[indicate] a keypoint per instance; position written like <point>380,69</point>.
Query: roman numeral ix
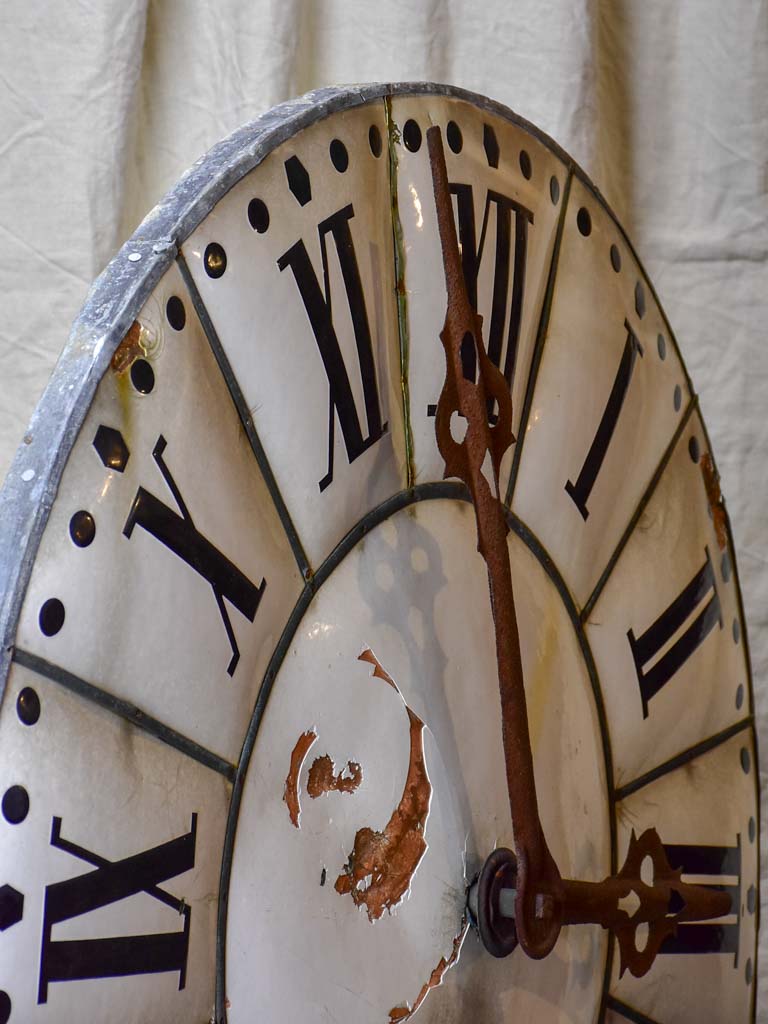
<point>110,882</point>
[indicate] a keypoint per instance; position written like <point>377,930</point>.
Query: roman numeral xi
<point>317,300</point>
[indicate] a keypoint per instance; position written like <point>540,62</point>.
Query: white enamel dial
<point>250,733</point>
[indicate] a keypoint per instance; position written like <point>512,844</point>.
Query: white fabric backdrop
<point>103,104</point>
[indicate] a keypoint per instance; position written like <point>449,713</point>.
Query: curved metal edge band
<point>123,287</point>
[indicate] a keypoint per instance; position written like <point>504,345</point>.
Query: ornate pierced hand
<point>521,898</point>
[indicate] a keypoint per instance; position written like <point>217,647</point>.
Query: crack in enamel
<point>400,1013</point>
<point>381,866</point>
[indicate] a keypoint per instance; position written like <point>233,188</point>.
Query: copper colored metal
<point>543,901</point>
<point>321,778</point>
<point>291,791</point>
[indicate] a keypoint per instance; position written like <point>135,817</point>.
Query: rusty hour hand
<point>473,386</point>
<point>521,898</point>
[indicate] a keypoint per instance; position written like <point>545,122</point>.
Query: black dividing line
<point>123,709</point>
<point>641,507</point>
<point>546,309</point>
<point>626,1011</point>
<point>245,418</point>
<point>680,759</point>
<point>424,492</point>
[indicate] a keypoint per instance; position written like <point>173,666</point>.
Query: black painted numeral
<point>317,303</point>
<point>581,490</point>
<point>700,865</point>
<point>653,674</point>
<point>178,532</point>
<point>506,302</point>
<point>112,881</point>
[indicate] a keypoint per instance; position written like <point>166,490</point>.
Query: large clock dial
<point>250,737</point>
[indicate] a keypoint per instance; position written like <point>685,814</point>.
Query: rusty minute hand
<point>528,887</point>
<point>472,385</point>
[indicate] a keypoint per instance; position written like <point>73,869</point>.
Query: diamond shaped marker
<point>491,146</point>
<point>11,906</point>
<point>298,180</point>
<point>112,449</point>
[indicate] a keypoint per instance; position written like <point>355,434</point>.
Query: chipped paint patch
<point>381,866</point>
<point>715,499</point>
<point>401,1013</point>
<point>291,791</point>
<point>130,349</point>
<point>322,780</point>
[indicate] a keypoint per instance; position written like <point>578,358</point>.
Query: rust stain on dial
<point>382,864</point>
<point>401,1013</point>
<point>322,780</point>
<point>291,791</point>
<point>715,499</point>
<point>129,349</point>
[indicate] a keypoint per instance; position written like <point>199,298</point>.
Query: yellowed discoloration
<point>130,349</point>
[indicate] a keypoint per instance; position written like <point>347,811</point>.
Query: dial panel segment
<point>377,787</point>
<point>705,813</point>
<point>108,877</point>
<point>666,630</point>
<point>164,576</point>
<point>610,393</point>
<point>295,266</point>
<point>507,189</point>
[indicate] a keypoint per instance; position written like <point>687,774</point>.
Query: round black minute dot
<point>640,300</point>
<point>752,829</point>
<point>745,760</point>
<point>339,155</point>
<point>214,260</point>
<point>725,567</point>
<point>693,449</point>
<point>82,528</point>
<point>525,164</point>
<point>454,136</point>
<point>615,258</point>
<point>51,616</point>
<point>661,346</point>
<point>584,221</point>
<point>15,805</point>
<point>28,706</point>
<point>175,313</point>
<point>258,215</point>
<point>142,376</point>
<point>554,190</point>
<point>677,398</point>
<point>5,1008</point>
<point>739,696</point>
<point>412,135</point>
<point>736,631</point>
<point>374,140</point>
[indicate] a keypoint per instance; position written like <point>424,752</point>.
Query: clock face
<point>250,734</point>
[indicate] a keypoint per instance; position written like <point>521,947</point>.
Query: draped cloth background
<point>665,104</point>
